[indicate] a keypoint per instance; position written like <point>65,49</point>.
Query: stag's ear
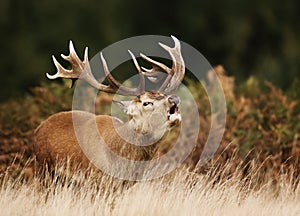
<point>126,106</point>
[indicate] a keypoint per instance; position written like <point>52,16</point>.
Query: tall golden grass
<point>178,193</point>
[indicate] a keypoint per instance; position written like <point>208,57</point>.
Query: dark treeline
<point>257,37</point>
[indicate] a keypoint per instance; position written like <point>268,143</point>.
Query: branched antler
<point>82,70</point>
<point>175,74</point>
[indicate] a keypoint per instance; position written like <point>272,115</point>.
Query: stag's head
<point>152,111</point>
<point>149,111</point>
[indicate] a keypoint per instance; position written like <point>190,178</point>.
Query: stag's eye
<point>147,103</point>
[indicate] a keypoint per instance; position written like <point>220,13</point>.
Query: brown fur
<point>55,139</point>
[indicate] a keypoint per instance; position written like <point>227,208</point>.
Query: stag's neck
<point>149,126</point>
<point>132,144</point>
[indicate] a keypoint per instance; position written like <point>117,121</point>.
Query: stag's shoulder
<point>108,121</point>
<point>65,118</point>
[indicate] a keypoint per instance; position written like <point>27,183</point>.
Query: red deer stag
<point>151,114</point>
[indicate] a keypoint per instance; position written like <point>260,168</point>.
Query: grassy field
<point>179,193</point>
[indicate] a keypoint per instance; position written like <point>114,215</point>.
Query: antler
<point>82,70</point>
<point>175,74</point>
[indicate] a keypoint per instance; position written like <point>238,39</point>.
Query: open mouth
<point>173,110</point>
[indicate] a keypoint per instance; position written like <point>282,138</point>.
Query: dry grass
<point>179,193</point>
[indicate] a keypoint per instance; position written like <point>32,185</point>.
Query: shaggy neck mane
<point>131,144</point>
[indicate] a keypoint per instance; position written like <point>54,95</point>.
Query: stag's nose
<point>174,99</point>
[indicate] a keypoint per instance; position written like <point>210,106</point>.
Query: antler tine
<point>175,75</point>
<point>154,74</point>
<point>123,90</point>
<point>80,70</point>
<point>178,67</point>
<point>61,71</point>
<point>141,87</point>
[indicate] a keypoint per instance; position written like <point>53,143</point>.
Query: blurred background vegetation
<point>257,42</point>
<point>250,38</point>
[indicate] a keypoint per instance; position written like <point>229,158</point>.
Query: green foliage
<point>294,90</point>
<point>263,124</point>
<point>20,117</point>
<point>26,112</point>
